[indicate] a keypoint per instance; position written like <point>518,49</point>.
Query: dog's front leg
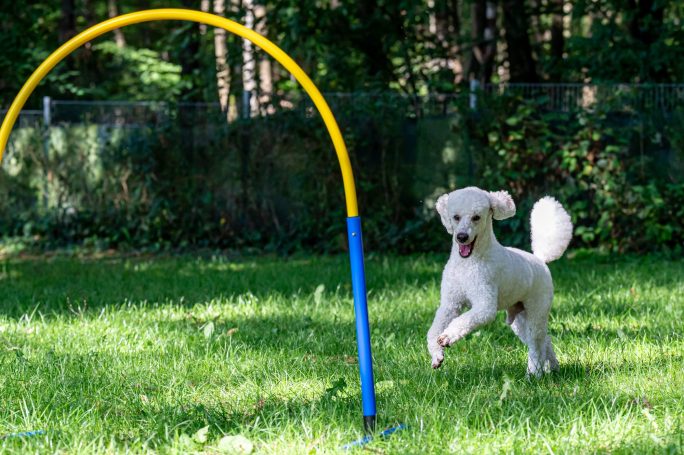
<point>483,312</point>
<point>445,314</point>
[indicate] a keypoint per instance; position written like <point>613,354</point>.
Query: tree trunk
<point>88,13</point>
<point>204,7</point>
<point>536,19</point>
<point>189,57</point>
<point>557,40</point>
<point>452,32</point>
<point>67,23</point>
<point>645,26</point>
<point>265,66</point>
<point>646,20</point>
<point>370,40</point>
<point>235,65</point>
<point>445,25</point>
<point>113,11</point>
<point>483,34</point>
<point>249,110</point>
<point>522,66</point>
<point>249,84</point>
<point>221,58</point>
<point>453,35</point>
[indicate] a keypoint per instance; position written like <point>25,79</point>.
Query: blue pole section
<point>362,326</point>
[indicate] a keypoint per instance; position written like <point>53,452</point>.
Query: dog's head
<point>467,213</point>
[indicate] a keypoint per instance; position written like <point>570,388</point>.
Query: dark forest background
<point>173,135</point>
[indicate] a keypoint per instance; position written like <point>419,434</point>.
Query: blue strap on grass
<point>366,439</point>
<point>23,434</point>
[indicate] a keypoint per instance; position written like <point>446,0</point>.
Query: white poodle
<point>483,277</point>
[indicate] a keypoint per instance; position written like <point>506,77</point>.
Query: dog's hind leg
<point>536,345</point>
<point>551,355</point>
<point>548,360</point>
<point>531,327</point>
<point>519,326</point>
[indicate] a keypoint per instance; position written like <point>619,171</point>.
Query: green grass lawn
<point>138,354</point>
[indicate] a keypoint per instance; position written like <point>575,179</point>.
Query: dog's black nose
<point>462,237</point>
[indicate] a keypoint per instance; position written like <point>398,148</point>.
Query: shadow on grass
<point>62,285</point>
<point>66,286</point>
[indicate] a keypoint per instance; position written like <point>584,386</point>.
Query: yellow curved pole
<point>209,19</point>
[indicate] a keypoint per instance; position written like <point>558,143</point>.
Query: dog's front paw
<point>437,359</point>
<point>445,340</point>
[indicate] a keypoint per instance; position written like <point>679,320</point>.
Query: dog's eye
<point>457,218</point>
<point>476,218</point>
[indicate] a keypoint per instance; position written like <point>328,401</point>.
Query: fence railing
<point>570,96</point>
<point>562,97</point>
<point>26,117</point>
<point>163,171</point>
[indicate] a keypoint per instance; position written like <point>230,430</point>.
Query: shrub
<point>593,161</point>
<point>179,176</point>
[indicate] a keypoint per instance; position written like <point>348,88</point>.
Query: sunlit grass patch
<point>172,354</point>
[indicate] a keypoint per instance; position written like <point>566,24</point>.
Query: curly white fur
<point>483,277</point>
<point>551,229</point>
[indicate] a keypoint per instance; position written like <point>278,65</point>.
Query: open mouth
<point>466,250</point>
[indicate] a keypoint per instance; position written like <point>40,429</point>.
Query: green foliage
<point>138,74</point>
<point>593,161</point>
<point>407,46</point>
<point>26,37</point>
<point>629,43</point>
<point>190,180</point>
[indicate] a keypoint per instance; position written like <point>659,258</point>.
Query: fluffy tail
<point>551,229</point>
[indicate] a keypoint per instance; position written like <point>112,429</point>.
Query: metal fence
<point>111,160</point>
<point>570,97</point>
<point>418,121</point>
<point>561,97</point>
<point>27,117</point>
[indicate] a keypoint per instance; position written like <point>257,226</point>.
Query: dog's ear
<point>502,204</point>
<point>441,206</point>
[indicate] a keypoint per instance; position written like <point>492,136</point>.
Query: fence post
<point>474,86</point>
<point>244,154</point>
<point>47,121</point>
<point>246,104</point>
<point>47,117</point>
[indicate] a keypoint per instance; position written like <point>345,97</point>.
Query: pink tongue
<point>465,250</point>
